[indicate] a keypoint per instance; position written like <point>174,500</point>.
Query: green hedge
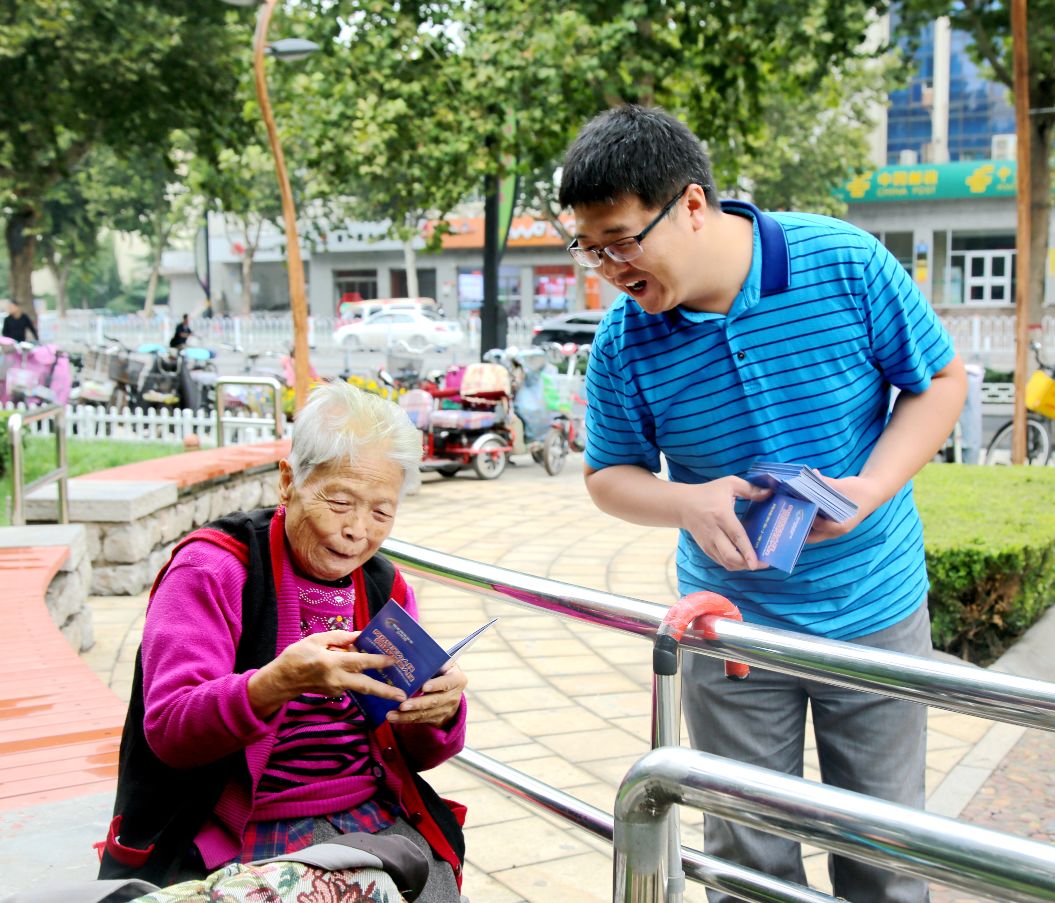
<point>989,534</point>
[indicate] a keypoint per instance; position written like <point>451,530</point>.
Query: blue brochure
<point>418,657</point>
<point>777,528</point>
<point>779,525</point>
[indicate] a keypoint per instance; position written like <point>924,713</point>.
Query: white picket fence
<point>151,425</point>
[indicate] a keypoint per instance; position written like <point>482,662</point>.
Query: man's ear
<point>696,203</point>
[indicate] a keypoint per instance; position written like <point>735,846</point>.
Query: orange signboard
<point>525,232</point>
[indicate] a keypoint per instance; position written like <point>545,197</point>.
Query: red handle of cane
<point>690,609</point>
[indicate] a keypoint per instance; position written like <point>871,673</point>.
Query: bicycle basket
<point>559,391</point>
<point>1040,394</point>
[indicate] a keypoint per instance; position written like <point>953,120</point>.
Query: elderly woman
<point>242,741</point>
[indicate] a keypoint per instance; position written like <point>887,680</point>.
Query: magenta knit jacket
<point>197,709</point>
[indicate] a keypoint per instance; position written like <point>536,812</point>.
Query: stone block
<point>74,536</point>
<point>79,632</point>
<point>202,506</point>
<point>129,543</point>
<point>158,558</point>
<point>121,579</point>
<point>251,493</point>
<point>269,493</point>
<point>93,540</point>
<point>65,597</point>
<point>105,501</point>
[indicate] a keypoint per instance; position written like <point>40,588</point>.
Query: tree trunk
<point>155,272</point>
<point>60,272</point>
<point>21,238</point>
<point>1040,202</point>
<point>410,261</point>
<point>247,282</point>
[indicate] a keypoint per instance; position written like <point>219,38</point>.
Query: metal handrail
<point>929,846</point>
<point>744,883</point>
<point>19,488</point>
<point>276,397</point>
<point>958,688</point>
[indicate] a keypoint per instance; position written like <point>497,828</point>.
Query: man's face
<point>656,279</point>
<point>338,518</point>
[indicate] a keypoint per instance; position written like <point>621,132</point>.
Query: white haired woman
<point>242,741</point>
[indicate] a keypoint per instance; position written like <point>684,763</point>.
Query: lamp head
<point>290,49</point>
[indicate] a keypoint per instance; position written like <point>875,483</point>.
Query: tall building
<point>942,195</point>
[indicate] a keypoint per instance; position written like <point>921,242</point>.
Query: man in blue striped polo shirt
<point>741,336</point>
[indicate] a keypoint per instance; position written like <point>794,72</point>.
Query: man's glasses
<point>626,248</point>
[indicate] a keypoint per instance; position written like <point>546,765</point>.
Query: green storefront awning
<point>933,182</point>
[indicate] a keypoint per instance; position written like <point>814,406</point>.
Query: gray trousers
<point>867,743</point>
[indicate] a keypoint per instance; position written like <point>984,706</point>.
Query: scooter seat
<point>463,420</point>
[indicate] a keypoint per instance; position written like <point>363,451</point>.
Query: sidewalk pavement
<point>565,702</point>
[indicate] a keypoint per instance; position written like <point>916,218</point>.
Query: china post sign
<point>934,182</point>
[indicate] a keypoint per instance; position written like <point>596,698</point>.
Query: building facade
<point>942,195</point>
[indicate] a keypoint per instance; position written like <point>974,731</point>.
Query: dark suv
<point>576,326</point>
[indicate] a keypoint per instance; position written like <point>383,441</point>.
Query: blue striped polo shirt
<point>799,370</point>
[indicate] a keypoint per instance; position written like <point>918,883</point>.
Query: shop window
<point>354,285</point>
<point>554,289</point>
<point>426,283</point>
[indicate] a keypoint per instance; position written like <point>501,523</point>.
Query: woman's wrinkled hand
<point>327,664</point>
<point>438,701</point>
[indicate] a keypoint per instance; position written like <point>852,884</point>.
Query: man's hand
<point>866,493</point>
<point>438,701</point>
<point>706,511</point>
<point>324,663</point>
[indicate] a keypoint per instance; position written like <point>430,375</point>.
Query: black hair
<point>638,151</point>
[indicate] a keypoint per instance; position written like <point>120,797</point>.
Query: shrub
<point>989,534</point>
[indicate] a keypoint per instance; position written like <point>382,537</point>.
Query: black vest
<point>166,807</point>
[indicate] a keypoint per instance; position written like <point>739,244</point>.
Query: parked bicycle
<point>1040,407</point>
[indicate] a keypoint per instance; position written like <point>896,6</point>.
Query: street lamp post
<point>289,50</point>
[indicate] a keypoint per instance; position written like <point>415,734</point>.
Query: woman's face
<point>338,518</point>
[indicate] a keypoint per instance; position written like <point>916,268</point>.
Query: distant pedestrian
<point>18,324</point>
<point>182,333</point>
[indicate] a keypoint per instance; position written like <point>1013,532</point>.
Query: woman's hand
<point>437,702</point>
<point>324,663</point>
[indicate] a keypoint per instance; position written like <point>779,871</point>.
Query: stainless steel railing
<point>958,688</point>
<point>276,422</point>
<point>19,488</point>
<point>950,686</point>
<point>979,860</point>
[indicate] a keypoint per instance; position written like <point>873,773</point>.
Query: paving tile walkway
<point>565,702</point>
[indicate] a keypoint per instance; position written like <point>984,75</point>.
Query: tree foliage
<point>77,74</point>
<point>988,22</point>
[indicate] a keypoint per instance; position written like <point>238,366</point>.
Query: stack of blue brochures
<point>778,526</point>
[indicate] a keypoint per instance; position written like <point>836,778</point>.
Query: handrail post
<point>14,434</point>
<point>266,381</point>
<point>19,489</point>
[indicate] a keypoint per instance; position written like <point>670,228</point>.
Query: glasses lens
<point>584,257</point>
<point>627,249</point>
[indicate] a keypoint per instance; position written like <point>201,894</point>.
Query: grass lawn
<point>84,456</point>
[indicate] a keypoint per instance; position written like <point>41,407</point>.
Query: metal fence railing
<point>931,846</point>
<point>259,333</point>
